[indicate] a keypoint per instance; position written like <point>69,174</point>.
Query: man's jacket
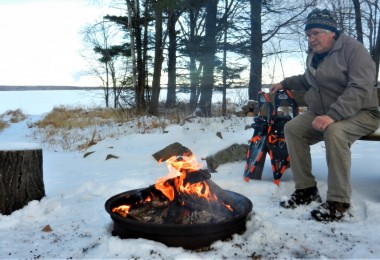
<point>343,83</point>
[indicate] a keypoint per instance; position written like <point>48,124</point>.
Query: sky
<point>41,42</point>
<point>70,222</point>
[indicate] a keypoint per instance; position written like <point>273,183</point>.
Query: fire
<point>201,189</point>
<point>178,168</point>
<point>122,210</point>
<point>185,179</point>
<point>228,207</point>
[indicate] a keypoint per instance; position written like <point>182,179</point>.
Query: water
<point>37,102</point>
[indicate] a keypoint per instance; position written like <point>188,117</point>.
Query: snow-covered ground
<point>77,188</point>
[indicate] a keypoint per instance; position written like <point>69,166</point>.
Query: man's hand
<point>275,87</point>
<point>320,123</point>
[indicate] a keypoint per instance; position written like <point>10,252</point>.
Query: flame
<point>228,207</point>
<point>174,183</point>
<point>178,167</point>
<point>166,189</point>
<point>201,189</point>
<point>122,210</point>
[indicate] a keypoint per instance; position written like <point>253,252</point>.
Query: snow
<point>6,146</point>
<point>77,188</point>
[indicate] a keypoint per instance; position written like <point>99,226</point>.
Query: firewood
<point>223,196</point>
<point>152,211</point>
<point>150,204</point>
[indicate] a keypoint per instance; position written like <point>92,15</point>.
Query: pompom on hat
<point>323,19</point>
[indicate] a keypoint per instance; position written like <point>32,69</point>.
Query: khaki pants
<point>338,138</point>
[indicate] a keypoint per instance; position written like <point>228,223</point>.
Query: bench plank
<point>375,136</point>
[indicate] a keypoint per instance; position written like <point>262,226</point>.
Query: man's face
<point>320,40</point>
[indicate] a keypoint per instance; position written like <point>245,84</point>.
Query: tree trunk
<point>358,20</point>
<point>376,51</point>
<point>107,86</point>
<point>133,52</point>
<point>21,179</point>
<point>209,59</point>
<point>158,58</point>
<point>224,68</point>
<point>256,50</point>
<point>172,60</point>
<point>145,56</point>
<point>194,76</point>
<point>136,47</point>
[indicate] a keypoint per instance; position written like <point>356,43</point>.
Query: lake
<point>36,102</point>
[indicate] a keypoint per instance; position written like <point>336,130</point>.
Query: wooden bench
<point>375,136</point>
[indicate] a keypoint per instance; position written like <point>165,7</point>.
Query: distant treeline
<point>22,88</point>
<point>180,88</point>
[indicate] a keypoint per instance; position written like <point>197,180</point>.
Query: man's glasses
<point>314,34</point>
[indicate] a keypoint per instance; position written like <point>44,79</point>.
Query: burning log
<point>185,209</point>
<point>187,196</point>
<point>150,205</point>
<point>223,196</point>
<point>154,211</point>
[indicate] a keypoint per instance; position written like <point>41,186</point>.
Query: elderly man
<point>339,84</point>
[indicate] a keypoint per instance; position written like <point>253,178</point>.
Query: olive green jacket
<point>342,85</point>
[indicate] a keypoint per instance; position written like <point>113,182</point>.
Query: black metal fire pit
<point>188,236</point>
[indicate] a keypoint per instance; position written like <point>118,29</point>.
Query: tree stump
<point>21,178</point>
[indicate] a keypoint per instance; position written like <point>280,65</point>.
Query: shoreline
<point>23,88</point>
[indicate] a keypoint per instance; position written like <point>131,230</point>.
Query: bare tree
<point>358,20</point>
<point>102,44</point>
<point>360,13</point>
<point>373,22</point>
<point>231,7</point>
<point>158,58</point>
<point>135,30</point>
<point>207,82</point>
<point>174,12</point>
<point>269,20</point>
<point>192,30</point>
<point>131,13</point>
<point>256,56</point>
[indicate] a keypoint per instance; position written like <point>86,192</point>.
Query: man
<point>339,84</point>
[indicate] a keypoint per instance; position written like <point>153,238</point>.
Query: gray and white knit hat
<point>323,19</point>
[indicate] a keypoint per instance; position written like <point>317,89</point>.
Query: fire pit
<point>187,210</point>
